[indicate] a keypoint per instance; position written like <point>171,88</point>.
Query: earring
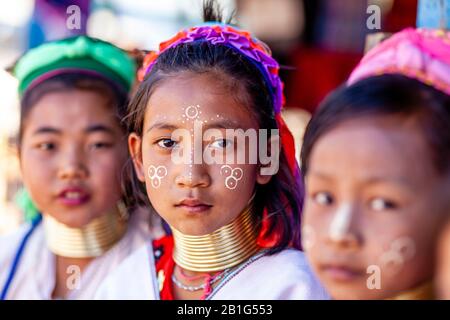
<point>123,212</point>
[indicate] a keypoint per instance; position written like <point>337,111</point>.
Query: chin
<point>356,294</point>
<point>74,219</point>
<point>194,230</point>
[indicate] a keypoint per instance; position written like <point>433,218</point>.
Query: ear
<point>269,166</point>
<point>261,178</point>
<point>134,146</point>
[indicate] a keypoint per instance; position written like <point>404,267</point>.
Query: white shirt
<point>35,275</point>
<point>282,276</point>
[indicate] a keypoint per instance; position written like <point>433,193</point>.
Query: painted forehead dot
<point>192,112</point>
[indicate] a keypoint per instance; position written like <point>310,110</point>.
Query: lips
<point>193,205</point>
<point>341,272</point>
<point>73,196</point>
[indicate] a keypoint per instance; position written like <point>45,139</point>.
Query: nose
<point>193,176</point>
<point>72,165</point>
<point>342,230</point>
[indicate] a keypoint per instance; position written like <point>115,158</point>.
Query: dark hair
<point>282,195</point>
<point>386,95</point>
<point>118,98</point>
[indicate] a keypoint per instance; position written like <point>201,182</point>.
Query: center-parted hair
<point>282,196</point>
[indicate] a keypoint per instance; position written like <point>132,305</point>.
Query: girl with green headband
<point>72,149</point>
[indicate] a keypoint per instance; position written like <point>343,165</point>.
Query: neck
<point>68,275</point>
<point>421,292</point>
<point>89,241</point>
<point>225,248</point>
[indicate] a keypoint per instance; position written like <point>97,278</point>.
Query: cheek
<point>155,175</point>
<point>394,251</point>
<point>36,170</point>
<point>157,171</point>
<point>106,169</point>
<point>315,224</point>
<point>234,178</point>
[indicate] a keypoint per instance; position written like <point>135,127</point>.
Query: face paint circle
<point>405,247</point>
<point>151,171</point>
<point>237,173</point>
<point>308,237</point>
<point>191,112</point>
<point>231,183</point>
<point>156,183</point>
<point>156,174</point>
<point>232,176</point>
<point>161,171</point>
<point>392,260</point>
<point>225,170</point>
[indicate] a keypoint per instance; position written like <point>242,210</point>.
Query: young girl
<point>234,226</point>
<point>376,161</point>
<point>72,149</point>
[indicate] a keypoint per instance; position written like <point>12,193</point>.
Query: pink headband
<point>422,54</point>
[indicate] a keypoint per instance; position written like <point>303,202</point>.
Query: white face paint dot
<point>237,173</point>
<point>225,170</point>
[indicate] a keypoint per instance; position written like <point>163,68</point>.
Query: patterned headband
<point>422,54</point>
<point>241,41</point>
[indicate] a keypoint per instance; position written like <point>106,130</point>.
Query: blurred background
<point>317,42</point>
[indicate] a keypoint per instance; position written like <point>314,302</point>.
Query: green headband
<point>79,53</point>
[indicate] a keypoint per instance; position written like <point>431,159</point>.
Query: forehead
<point>70,109</point>
<point>381,147</point>
<point>171,98</point>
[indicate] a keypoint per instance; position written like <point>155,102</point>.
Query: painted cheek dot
<point>225,170</point>
<point>230,183</point>
<point>161,171</point>
<point>237,173</point>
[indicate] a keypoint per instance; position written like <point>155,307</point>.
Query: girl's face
<point>374,203</point>
<point>72,154</point>
<point>193,196</point>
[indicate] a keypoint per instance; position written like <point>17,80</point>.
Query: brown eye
<point>166,143</point>
<point>221,143</point>
<point>380,204</point>
<point>100,145</point>
<point>323,198</point>
<point>46,146</point>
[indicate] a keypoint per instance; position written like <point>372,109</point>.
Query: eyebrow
<point>320,175</point>
<point>44,130</point>
<point>221,124</point>
<point>99,128</point>
<point>367,180</point>
<point>90,129</point>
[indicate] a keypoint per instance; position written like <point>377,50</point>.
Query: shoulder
<point>9,245</point>
<point>132,279</point>
<point>281,276</point>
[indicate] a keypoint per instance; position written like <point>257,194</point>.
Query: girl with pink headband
<point>376,162</point>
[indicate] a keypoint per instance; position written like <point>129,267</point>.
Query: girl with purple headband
<point>234,226</point>
<point>376,162</point>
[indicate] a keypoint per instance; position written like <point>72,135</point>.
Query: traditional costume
<point>237,252</point>
<point>28,256</point>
